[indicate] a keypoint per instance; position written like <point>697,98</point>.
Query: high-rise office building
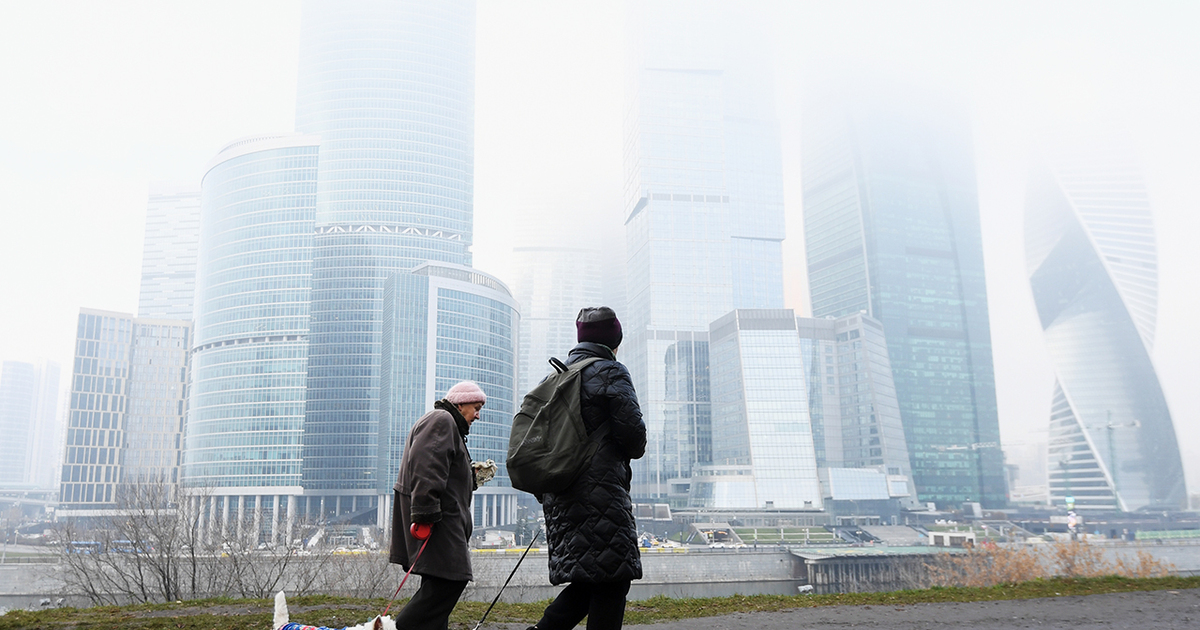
<point>763,455</point>
<point>18,399</point>
<point>46,452</point>
<point>445,323</point>
<point>389,87</point>
<point>703,219</point>
<point>1093,267</point>
<point>891,224</point>
<point>169,252</point>
<point>553,277</point>
<point>127,407</point>
<point>852,402</point>
<point>250,357</point>
<point>797,400</point>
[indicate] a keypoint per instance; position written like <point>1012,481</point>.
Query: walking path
<point>1157,610</point>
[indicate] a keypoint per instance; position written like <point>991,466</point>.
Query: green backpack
<point>549,447</point>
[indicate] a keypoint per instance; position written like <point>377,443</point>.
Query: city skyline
<point>117,202</point>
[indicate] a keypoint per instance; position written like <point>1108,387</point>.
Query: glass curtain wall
<point>1090,249</point>
<point>252,316</point>
<point>389,87</point>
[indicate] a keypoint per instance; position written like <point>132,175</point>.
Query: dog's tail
<point>281,611</point>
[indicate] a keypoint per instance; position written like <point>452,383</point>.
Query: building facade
<point>169,252</point>
<point>552,283</point>
<point>18,399</point>
<point>127,408</point>
<point>852,403</point>
<point>389,87</point>
<point>442,324</point>
<point>892,230</point>
<point>1093,267</point>
<point>250,352</point>
<point>703,220</point>
<point>762,435</point>
<point>48,433</point>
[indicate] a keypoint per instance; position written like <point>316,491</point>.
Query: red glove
<point>421,531</point>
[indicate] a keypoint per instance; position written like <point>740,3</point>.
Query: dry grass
<point>990,565</point>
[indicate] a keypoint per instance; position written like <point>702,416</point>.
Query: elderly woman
<point>433,497</point>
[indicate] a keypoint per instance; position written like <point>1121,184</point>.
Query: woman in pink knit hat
<point>432,507</point>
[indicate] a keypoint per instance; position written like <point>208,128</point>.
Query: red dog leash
<point>410,569</point>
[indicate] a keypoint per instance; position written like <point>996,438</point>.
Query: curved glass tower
<point>443,324</point>
<point>389,86</point>
<point>252,312</point>
<point>1090,250</point>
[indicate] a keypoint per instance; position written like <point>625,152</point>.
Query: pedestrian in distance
<point>590,527</point>
<point>432,508</point>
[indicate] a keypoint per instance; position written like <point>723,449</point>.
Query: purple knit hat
<point>465,393</point>
<point>598,324</point>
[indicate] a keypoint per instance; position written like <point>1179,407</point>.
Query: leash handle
<point>510,577</point>
<point>410,570</point>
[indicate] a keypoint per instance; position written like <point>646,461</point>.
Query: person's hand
<point>421,531</point>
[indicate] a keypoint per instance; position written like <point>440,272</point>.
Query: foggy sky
<point>100,99</point>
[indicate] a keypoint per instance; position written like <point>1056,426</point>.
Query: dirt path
<point>1154,610</point>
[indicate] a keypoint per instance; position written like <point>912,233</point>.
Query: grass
<point>241,614</point>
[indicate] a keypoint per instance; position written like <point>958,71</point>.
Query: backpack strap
<point>602,430</point>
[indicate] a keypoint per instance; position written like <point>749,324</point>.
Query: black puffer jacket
<point>590,526</point>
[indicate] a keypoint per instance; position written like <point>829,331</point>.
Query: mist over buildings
<point>105,101</point>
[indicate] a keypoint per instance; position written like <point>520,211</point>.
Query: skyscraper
<point>389,87</point>
<point>892,230</point>
<point>442,324</point>
<point>554,277</point>
<point>169,251</point>
<point>18,398</point>
<point>852,402</point>
<point>48,431</point>
<point>763,454</point>
<point>703,219</point>
<point>1093,268</point>
<point>127,407</point>
<point>250,354</point>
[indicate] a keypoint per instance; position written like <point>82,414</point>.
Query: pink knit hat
<point>465,393</point>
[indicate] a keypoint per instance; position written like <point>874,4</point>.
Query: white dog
<point>281,620</point>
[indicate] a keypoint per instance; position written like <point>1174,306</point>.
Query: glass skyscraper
<point>553,278</point>
<point>892,230</point>
<point>127,407</point>
<point>445,323</point>
<point>703,219</point>
<point>389,87</point>
<point>253,289</point>
<point>763,453</point>
<point>852,401</point>
<point>1090,249</point>
<point>169,252</point>
<point>18,398</point>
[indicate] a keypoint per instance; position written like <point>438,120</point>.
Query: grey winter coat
<point>435,486</point>
<point>590,526</point>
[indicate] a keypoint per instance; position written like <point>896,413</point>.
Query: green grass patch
<point>243,614</point>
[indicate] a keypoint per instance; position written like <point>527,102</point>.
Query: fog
<point>100,99</point>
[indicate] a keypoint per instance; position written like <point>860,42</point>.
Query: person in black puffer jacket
<point>590,526</point>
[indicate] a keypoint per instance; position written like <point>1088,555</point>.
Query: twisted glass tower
<point>1090,250</point>
<point>389,86</point>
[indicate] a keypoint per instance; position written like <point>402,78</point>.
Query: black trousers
<point>430,608</point>
<point>603,604</point>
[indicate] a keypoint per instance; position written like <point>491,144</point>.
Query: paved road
<point>1157,610</point>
